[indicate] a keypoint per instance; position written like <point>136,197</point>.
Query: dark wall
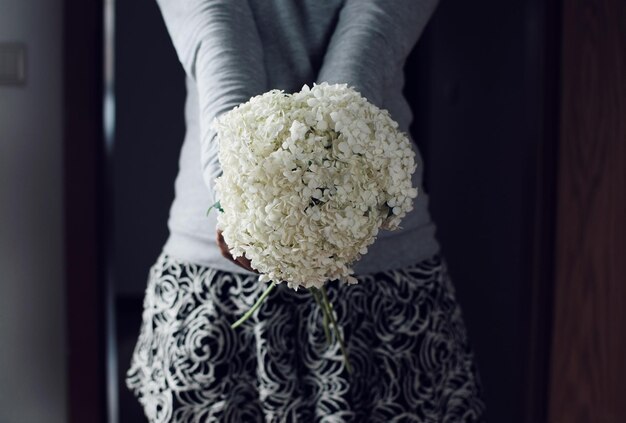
<point>471,81</point>
<point>474,84</point>
<point>149,130</point>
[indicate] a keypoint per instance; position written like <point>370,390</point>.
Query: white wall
<point>32,320</point>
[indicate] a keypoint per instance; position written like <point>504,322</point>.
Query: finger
<point>246,264</point>
<point>242,262</point>
<point>224,247</point>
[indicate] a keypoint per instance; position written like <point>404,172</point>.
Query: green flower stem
<point>255,306</point>
<point>329,309</point>
<point>318,299</point>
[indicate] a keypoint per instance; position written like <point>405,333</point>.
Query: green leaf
<point>217,206</point>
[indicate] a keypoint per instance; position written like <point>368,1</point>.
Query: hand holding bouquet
<point>309,179</point>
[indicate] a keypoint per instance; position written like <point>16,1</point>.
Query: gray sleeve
<point>371,43</point>
<point>218,44</point>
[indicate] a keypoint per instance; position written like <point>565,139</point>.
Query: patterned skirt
<point>403,329</point>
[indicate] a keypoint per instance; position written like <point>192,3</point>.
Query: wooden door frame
<point>587,367</point>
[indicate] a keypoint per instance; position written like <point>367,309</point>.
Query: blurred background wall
<point>32,322</point>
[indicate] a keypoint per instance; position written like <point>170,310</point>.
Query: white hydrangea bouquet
<point>309,179</point>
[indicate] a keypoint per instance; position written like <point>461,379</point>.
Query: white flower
<point>308,181</point>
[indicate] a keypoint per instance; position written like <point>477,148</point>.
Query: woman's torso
<point>294,37</point>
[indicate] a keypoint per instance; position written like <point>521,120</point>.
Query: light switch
<point>12,64</point>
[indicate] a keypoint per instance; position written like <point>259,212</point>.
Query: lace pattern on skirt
<point>403,329</point>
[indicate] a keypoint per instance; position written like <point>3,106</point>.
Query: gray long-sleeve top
<point>232,50</point>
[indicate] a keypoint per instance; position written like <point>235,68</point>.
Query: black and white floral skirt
<point>403,329</point>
